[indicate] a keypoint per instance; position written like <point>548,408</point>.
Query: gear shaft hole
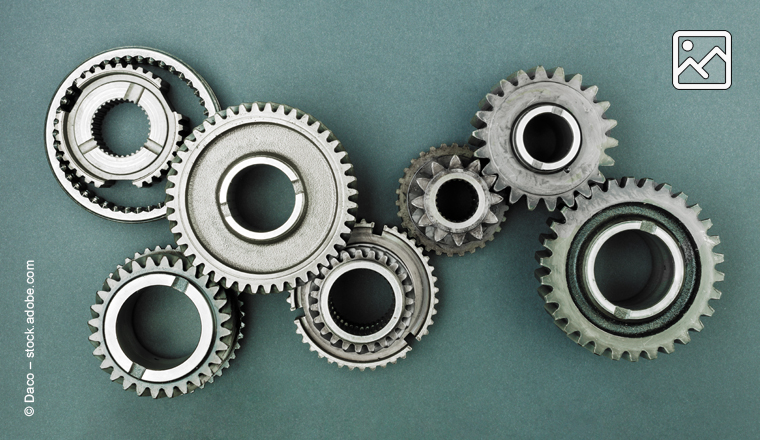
<point>261,198</point>
<point>158,327</point>
<point>121,128</point>
<point>548,138</point>
<point>361,302</point>
<point>457,200</point>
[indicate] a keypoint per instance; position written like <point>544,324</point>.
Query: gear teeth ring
<point>545,137</point>
<point>396,257</point>
<point>133,365</point>
<point>664,312</point>
<point>419,201</point>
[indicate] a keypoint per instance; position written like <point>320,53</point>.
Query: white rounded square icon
<point>699,61</point>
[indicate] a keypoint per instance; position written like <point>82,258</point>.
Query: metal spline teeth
<point>320,170</point>
<point>391,249</point>
<point>501,111</point>
<point>418,205</point>
<point>554,278</point>
<point>225,325</point>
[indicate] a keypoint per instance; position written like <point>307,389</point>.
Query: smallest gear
<point>132,364</point>
<point>447,204</point>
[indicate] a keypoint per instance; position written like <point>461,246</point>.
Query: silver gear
<point>401,261</point>
<point>78,129</point>
<point>418,201</point>
<point>581,130</point>
<point>677,294</point>
<point>75,186</point>
<point>204,223</point>
<point>221,322</point>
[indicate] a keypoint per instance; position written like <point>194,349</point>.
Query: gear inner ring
<point>437,189</point>
<point>546,138</point>
<point>656,306</point>
<point>126,350</point>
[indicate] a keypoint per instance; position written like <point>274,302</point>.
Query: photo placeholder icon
<point>701,60</point>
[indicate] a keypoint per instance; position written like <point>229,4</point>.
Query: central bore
<point>624,266</point>
<point>121,128</point>
<point>261,198</point>
<point>548,138</point>
<point>361,302</point>
<point>158,327</point>
<point>456,200</point>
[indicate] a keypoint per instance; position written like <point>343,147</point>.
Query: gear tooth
<point>481,153</point>
<point>423,183</point>
<point>718,258</point>
<point>605,160</point>
<point>496,199</point>
<point>425,221</point>
<point>440,234</point>
<point>506,86</point>
<point>474,166</point>
<point>714,239</point>
<point>684,337</point>
<point>576,81</point>
<point>540,74</point>
<point>568,200</point>
<point>154,392</point>
<point>697,325</point>
<point>103,295</point>
<point>609,124</point>
<point>668,347</point>
<point>491,218</point>
<point>558,74</point>
<point>590,93</point>
<point>551,203</point>
<point>603,106</point>
<point>433,168</point>
<point>718,276</point>
<point>522,78</point>
<point>458,239</point>
<point>515,195</point>
<point>707,223</point>
<point>532,202</point>
<point>455,163</point>
<point>609,142</point>
<point>696,208</point>
<point>419,202</point>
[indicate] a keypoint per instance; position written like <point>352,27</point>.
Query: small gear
<point>68,172</point>
<point>122,354</point>
<point>545,137</point>
<point>203,215</point>
<point>426,193</point>
<point>677,293</point>
<point>399,260</point>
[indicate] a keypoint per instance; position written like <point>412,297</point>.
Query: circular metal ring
<point>567,152</point>
<point>65,96</point>
<point>482,201</point>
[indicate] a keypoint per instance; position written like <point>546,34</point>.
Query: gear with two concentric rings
<point>201,202</point>
<point>545,137</point>
<point>66,96</point>
<point>678,291</point>
<point>396,257</point>
<point>133,365</point>
<point>423,191</point>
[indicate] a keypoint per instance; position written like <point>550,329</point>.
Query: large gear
<point>204,221</point>
<point>134,366</point>
<point>545,137</point>
<point>401,262</point>
<point>678,291</point>
<point>66,96</point>
<point>420,200</point>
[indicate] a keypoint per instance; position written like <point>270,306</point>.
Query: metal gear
<point>79,128</point>
<point>66,96</point>
<point>678,291</point>
<point>131,364</point>
<point>401,262</point>
<point>545,137</point>
<point>420,199</point>
<point>204,221</point>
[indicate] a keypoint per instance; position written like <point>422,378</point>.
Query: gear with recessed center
<point>605,319</point>
<point>429,201</point>
<point>545,137</point>
<point>401,263</point>
<point>203,209</point>
<point>135,366</point>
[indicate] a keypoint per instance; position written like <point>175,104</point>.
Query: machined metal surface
<point>75,167</point>
<point>401,263</point>
<point>203,219</point>
<point>420,194</point>
<point>674,298</point>
<point>566,126</point>
<point>133,365</point>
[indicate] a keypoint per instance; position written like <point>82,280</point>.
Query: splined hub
<point>545,137</point>
<point>673,299</point>
<point>204,218</point>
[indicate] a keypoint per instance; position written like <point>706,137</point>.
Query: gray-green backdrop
<point>391,79</point>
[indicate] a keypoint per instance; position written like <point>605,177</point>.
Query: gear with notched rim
<point>674,299</point>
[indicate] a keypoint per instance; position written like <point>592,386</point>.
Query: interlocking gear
<point>423,196</point>
<point>398,259</point>
<point>204,220</point>
<point>122,354</point>
<point>545,137</point>
<point>72,176</point>
<point>677,293</point>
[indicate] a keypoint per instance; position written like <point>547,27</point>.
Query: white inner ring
<point>324,299</point>
<point>298,208</point>
<point>110,323</point>
<point>519,141</point>
<point>678,270</point>
<point>431,207</point>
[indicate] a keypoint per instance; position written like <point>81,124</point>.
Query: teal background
<point>392,79</point>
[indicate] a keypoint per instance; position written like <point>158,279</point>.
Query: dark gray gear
<point>668,306</point>
<point>545,137</point>
<point>419,201</point>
